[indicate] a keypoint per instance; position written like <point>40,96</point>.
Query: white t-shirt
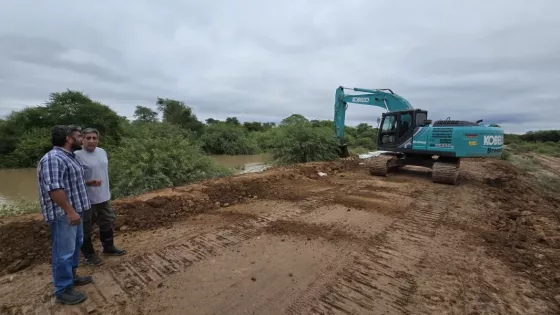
<point>96,166</point>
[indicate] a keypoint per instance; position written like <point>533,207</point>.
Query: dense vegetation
<point>168,145</point>
<point>543,142</point>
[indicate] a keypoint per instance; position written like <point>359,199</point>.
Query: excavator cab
<point>397,127</point>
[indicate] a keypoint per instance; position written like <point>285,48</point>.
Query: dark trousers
<point>104,216</point>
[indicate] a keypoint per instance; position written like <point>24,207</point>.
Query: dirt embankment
<point>525,226</point>
<point>26,241</point>
<point>288,241</point>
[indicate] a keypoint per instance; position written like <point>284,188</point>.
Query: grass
<point>19,207</point>
<point>548,182</point>
<point>546,148</point>
<point>524,162</point>
<point>544,179</point>
<point>359,150</point>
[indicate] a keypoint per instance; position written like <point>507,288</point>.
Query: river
<point>22,183</point>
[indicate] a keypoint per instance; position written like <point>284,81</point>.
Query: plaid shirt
<point>60,169</point>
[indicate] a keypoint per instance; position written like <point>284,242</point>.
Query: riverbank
<point>20,185</point>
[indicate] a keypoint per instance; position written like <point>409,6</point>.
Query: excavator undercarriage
<point>444,170</point>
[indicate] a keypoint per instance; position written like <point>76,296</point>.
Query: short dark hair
<point>60,132</point>
<point>90,130</point>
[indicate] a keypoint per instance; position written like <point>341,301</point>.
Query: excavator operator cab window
<point>388,129</point>
<point>388,124</point>
<point>405,123</point>
<point>421,117</point>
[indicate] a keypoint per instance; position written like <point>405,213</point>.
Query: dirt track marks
<point>379,249</point>
<point>137,274</point>
<point>116,287</point>
<point>550,163</point>
<point>381,278</point>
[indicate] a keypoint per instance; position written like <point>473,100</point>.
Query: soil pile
<point>23,243</point>
<point>526,226</point>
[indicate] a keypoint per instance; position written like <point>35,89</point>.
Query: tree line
<point>25,133</point>
<point>168,145</point>
<point>535,136</point>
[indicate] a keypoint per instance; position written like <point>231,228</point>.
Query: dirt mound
<point>526,226</point>
<point>23,243</point>
<point>165,207</point>
<point>310,230</point>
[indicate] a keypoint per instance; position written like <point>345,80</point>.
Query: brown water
<point>22,183</point>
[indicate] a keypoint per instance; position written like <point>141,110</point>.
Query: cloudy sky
<point>264,60</point>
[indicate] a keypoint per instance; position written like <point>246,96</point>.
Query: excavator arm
<point>388,100</point>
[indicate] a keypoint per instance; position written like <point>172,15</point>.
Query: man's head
<point>68,137</point>
<point>91,139</point>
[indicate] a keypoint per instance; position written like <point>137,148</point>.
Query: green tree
<point>253,126</point>
<point>294,119</point>
<point>226,138</point>
<point>232,121</point>
<point>298,142</point>
<point>363,128</point>
<point>145,114</point>
<point>68,107</point>
<point>176,112</point>
<point>152,161</point>
<point>211,121</point>
<point>31,146</point>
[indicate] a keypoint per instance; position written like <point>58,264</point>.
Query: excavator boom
<point>379,97</point>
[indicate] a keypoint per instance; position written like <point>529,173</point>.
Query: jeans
<point>66,242</point>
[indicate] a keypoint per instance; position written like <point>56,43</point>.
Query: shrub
<point>149,163</point>
<point>229,139</point>
<point>299,142</point>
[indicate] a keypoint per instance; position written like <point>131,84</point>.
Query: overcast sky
<point>264,60</point>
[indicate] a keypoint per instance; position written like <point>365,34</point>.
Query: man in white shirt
<point>96,167</point>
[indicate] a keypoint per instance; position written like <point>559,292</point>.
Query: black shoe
<point>93,260</point>
<point>81,280</point>
<point>71,297</point>
<point>113,251</point>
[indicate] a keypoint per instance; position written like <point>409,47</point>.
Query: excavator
<point>407,137</point>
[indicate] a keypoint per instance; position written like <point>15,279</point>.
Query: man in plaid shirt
<point>63,198</point>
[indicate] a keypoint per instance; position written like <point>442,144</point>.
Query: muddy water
<point>22,183</point>
<point>244,163</point>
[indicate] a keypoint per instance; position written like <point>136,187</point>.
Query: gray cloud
<point>264,60</point>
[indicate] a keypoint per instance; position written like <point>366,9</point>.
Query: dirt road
<point>288,241</point>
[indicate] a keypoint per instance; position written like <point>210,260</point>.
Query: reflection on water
<point>22,183</point>
<point>245,163</point>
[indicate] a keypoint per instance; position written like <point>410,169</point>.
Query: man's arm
<point>59,196</point>
<point>53,174</point>
<point>93,182</point>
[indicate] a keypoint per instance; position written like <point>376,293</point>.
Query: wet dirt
<point>289,241</point>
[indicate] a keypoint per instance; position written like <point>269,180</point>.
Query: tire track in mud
<point>381,278</point>
<point>118,286</point>
<point>136,275</point>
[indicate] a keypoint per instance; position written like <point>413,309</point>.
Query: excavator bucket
<point>343,151</point>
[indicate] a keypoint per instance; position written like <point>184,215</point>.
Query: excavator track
<point>378,166</point>
<point>445,173</point>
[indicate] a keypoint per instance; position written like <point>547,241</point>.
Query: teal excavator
<point>407,137</point>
